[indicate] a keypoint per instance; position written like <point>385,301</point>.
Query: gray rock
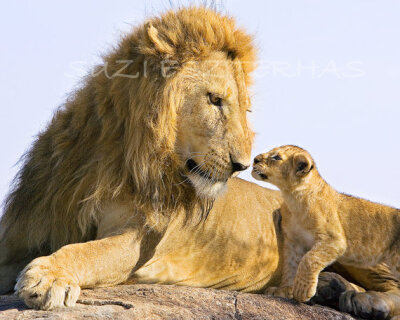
<point>171,302</point>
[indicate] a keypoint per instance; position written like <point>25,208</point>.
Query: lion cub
<point>321,225</point>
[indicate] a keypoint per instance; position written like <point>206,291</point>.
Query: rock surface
<point>171,302</point>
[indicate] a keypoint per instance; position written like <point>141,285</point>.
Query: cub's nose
<point>258,159</point>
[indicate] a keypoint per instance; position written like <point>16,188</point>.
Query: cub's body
<point>366,227</point>
<point>322,226</point>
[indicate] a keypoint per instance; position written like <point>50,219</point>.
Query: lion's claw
<point>42,286</point>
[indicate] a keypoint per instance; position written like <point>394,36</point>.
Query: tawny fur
<point>110,168</point>
<point>322,226</point>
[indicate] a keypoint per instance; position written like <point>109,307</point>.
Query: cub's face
<point>213,137</point>
<point>284,167</point>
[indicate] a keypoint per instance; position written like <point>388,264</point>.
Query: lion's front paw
<point>283,292</point>
<point>303,290</point>
<point>43,286</point>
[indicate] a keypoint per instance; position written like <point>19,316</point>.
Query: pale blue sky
<point>329,78</point>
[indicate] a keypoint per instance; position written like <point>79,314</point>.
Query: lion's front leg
<point>55,281</point>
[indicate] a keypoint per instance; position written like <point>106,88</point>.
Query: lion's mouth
<point>205,182</point>
<point>194,168</point>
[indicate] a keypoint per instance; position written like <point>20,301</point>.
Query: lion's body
<point>118,187</point>
<point>227,251</point>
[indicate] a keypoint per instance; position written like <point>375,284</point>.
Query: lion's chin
<point>207,189</point>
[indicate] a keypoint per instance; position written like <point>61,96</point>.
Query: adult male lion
<point>134,162</point>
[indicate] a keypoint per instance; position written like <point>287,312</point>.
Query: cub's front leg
<point>55,281</point>
<point>321,255</point>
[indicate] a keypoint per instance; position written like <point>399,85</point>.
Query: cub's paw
<point>44,286</point>
<point>369,305</point>
<point>303,291</point>
<point>283,292</point>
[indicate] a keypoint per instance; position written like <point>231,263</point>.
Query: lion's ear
<point>302,164</point>
<point>160,44</point>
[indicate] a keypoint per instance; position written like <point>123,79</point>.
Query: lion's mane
<point>114,137</point>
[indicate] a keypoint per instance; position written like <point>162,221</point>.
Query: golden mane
<point>114,137</point>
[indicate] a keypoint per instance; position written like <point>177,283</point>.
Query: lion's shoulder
<point>242,185</point>
<point>250,196</point>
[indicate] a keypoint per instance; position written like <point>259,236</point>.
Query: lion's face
<point>213,137</point>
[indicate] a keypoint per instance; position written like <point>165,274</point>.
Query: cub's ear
<point>302,164</point>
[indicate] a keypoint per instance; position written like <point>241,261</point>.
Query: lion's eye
<point>276,157</point>
<point>214,99</point>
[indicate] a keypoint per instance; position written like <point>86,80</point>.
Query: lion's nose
<point>238,166</point>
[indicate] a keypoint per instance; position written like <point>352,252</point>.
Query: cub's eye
<point>214,99</point>
<point>276,157</point>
